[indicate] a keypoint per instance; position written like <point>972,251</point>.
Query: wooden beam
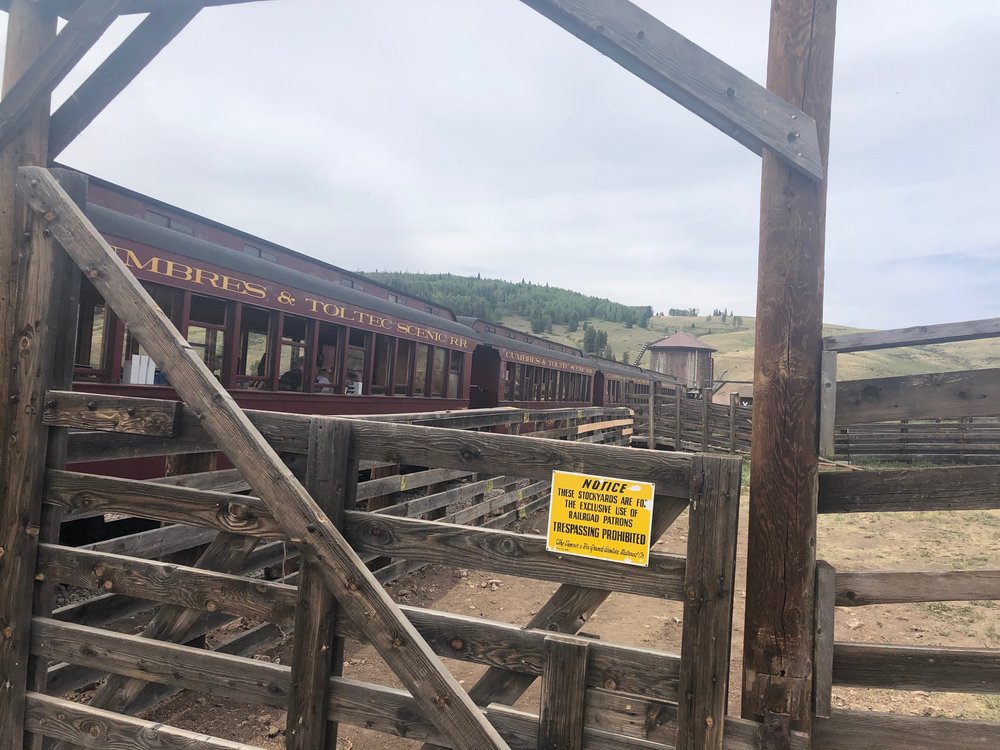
<point>86,727</point>
<point>74,41</point>
<point>435,689</point>
<point>858,588</point>
<point>968,393</point>
<point>864,730</point>
<point>709,586</point>
<point>697,80</point>
<point>331,478</point>
<point>66,8</point>
<point>914,336</point>
<point>948,488</point>
<point>958,670</point>
<point>825,625</point>
<point>778,646</point>
<point>828,405</point>
<point>114,74</point>
<point>564,682</point>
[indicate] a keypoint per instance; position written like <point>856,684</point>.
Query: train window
<point>357,359</point>
<point>508,382</point>
<point>380,366</point>
<point>92,326</point>
<point>439,371</point>
<point>393,298</point>
<point>252,368</point>
<point>260,253</point>
<point>292,354</point>
<point>166,299</point>
<point>180,226</point>
<point>328,359</point>
<point>349,283</point>
<point>154,218</point>
<point>455,374</point>
<point>404,364</point>
<point>420,370</point>
<point>428,308</point>
<point>207,331</point>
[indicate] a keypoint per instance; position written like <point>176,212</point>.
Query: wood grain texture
<point>484,453</point>
<point>857,588</point>
<point>114,74</point>
<point>969,393</point>
<point>962,670</point>
<point>695,79</point>
<point>914,336</point>
<point>828,404</point>
<point>151,417</point>
<point>193,588</point>
<point>778,647</point>
<point>508,552</point>
<point>238,514</point>
<point>564,680</point>
<point>331,478</point>
<point>825,622</point>
<point>76,38</point>
<point>888,490</point>
<point>709,587</point>
<point>865,730</point>
<point>434,688</point>
<point>86,727</point>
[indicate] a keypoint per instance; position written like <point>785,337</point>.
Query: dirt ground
<point>916,541</point>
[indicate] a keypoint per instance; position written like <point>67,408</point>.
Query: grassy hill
<point>735,348</point>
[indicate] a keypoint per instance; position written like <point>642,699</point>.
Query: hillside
<point>551,312</point>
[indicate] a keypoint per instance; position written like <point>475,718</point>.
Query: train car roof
<point>137,230</point>
<point>627,370</point>
<point>502,342</point>
<point>98,181</point>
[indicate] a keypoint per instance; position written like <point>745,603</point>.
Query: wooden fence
<point>689,424</point>
<point>903,667</point>
<point>974,440</point>
<point>301,473</point>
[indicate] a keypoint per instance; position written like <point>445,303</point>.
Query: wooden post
<point>778,650</point>
<point>734,402</point>
<point>651,427</point>
<point>331,478</point>
<point>30,29</point>
<point>828,405</point>
<point>706,400</point>
<point>826,590</point>
<point>564,687</point>
<point>709,585</point>
<point>679,393</point>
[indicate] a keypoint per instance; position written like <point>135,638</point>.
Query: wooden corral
<point>295,481</point>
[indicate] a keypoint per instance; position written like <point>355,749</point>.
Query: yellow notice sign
<point>600,517</point>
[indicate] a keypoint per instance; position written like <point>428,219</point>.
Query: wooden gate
<point>594,694</point>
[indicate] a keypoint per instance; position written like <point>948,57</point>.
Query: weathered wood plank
<point>434,688</point>
<point>865,730</point>
<point>153,417</point>
<point>709,586</point>
<point>507,552</point>
<point>155,543</point>
<point>114,74</point>
<point>828,404</point>
<point>483,453</point>
<point>950,488</point>
<point>825,622</point>
<point>914,336</point>
<point>778,647</point>
<point>76,38</point>
<point>857,588</point>
<point>331,478</point>
<point>192,588</point>
<point>968,393</point>
<point>86,727</point>
<point>564,680</point>
<point>237,514</point>
<point>520,729</point>
<point>962,670</point>
<point>695,79</point>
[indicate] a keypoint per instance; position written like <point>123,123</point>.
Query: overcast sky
<point>475,136</point>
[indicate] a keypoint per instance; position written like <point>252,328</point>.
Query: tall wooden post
<point>30,29</point>
<point>777,658</point>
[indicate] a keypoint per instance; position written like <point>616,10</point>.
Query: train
<point>286,332</point>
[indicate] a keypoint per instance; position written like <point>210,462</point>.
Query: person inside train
<point>292,379</point>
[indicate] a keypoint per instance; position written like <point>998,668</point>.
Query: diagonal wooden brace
<point>362,597</point>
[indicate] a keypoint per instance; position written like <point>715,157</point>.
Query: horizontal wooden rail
<point>949,488</point>
<point>969,393</point>
<point>859,588</point>
<point>867,730</point>
<point>913,336</point>
<point>506,552</point>
<point>962,670</point>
